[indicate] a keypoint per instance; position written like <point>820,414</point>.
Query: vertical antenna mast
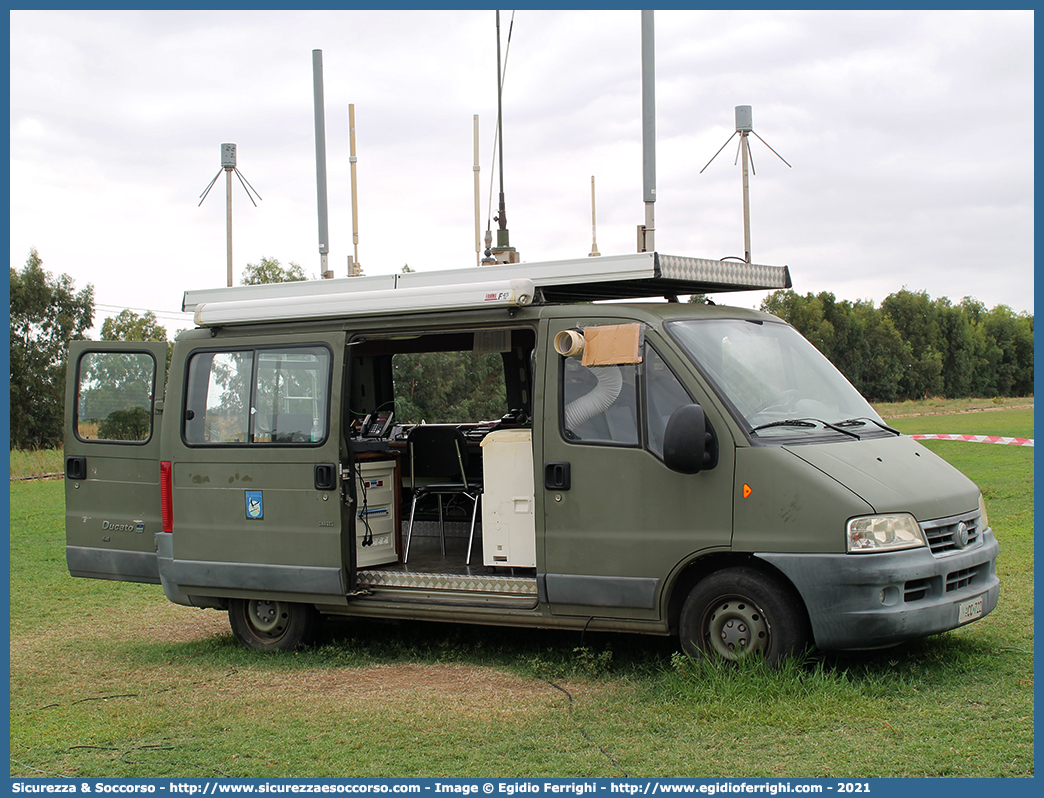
<point>744,124</point>
<point>228,209</point>
<point>478,225</point>
<point>228,164</point>
<point>320,162</point>
<point>503,251</point>
<point>354,268</point>
<point>594,253</point>
<point>646,232</point>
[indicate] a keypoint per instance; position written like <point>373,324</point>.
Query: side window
<point>663,395</point>
<point>599,403</point>
<point>114,397</point>
<point>290,396</point>
<point>267,396</point>
<point>218,401</point>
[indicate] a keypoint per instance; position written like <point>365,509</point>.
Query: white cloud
<point>910,135</point>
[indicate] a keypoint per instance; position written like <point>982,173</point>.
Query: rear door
<point>113,406</point>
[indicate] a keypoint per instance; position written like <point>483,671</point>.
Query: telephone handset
<point>378,424</point>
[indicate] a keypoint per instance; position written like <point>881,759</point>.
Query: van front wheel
<point>273,625</point>
<point>737,612</point>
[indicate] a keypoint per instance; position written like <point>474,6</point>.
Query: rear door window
<point>114,397</point>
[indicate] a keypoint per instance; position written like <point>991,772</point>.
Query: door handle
<point>325,476</point>
<point>556,476</point>
<point>76,467</point>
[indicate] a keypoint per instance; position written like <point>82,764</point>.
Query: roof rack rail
<point>636,276</point>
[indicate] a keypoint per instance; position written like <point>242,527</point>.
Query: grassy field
<point>110,680</point>
<point>36,463</point>
<point>935,406</point>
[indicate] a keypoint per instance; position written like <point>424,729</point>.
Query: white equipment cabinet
<point>376,513</point>
<point>508,521</point>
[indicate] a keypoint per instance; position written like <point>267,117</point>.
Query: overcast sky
<point>910,134</point>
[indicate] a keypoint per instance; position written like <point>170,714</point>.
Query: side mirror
<point>688,445</point>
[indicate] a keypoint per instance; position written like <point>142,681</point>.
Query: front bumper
<point>863,601</point>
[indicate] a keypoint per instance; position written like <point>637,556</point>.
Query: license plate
<point>969,610</point>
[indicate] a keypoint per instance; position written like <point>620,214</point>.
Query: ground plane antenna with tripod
<point>744,127</point>
<point>228,165</point>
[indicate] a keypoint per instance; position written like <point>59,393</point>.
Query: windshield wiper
<point>803,422</point>
<point>861,421</point>
<point>793,422</point>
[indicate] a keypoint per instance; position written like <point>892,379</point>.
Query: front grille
<point>916,589</point>
<point>964,577</point>
<point>944,534</point>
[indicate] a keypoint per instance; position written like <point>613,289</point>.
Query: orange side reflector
<point>746,491</point>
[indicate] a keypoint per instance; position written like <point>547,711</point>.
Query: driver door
<point>617,521</point>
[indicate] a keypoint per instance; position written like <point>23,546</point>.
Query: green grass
<point>108,679</point>
<point>934,406</point>
<point>36,463</point>
<point>1005,423</point>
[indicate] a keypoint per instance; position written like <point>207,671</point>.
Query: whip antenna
<point>594,253</point>
<point>478,220</point>
<point>503,251</point>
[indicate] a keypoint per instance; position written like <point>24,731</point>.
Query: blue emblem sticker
<point>255,507</point>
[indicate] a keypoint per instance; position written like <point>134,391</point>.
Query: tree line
<point>47,313</point>
<point>910,347</point>
<point>913,346</point>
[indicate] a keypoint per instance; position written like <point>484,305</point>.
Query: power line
<point>170,314</point>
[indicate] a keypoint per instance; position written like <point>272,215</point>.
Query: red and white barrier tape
<point>977,439</point>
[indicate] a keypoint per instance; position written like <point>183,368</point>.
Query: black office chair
<point>440,453</point>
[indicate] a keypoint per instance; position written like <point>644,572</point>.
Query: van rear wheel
<point>737,612</point>
<point>268,625</point>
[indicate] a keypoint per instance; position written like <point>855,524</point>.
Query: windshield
<point>772,376</point>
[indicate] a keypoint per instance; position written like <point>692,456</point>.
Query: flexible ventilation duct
<point>598,399</point>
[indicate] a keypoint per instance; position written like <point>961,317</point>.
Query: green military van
<point>636,466</point>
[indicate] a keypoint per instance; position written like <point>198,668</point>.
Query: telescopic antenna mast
<point>354,268</point>
<point>647,231</point>
<point>320,164</point>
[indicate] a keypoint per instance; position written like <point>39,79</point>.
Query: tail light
<point>166,497</point>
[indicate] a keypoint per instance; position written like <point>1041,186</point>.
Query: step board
<point>460,583</point>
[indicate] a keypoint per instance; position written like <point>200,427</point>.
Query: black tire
<point>740,611</point>
<point>273,625</point>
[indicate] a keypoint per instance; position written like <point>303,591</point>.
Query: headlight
<point>872,533</point>
<point>984,522</point>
